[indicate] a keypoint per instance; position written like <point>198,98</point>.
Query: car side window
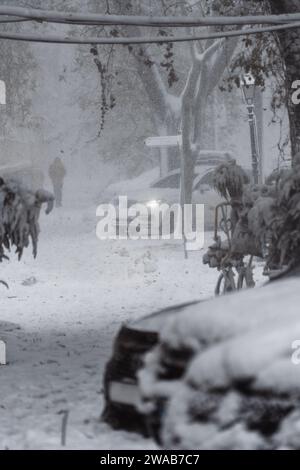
<point>171,181</point>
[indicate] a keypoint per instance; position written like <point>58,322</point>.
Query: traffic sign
<point>164,141</point>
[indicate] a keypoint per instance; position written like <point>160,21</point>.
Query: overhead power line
<point>164,21</point>
<point>5,19</point>
<point>141,40</point>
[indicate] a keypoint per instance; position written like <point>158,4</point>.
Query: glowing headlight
<point>153,204</point>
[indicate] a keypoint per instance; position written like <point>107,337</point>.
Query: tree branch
<point>221,61</point>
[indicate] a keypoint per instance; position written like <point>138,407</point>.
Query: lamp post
<point>248,88</point>
<point>2,343</point>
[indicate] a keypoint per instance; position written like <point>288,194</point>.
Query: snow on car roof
<point>150,178</point>
<point>135,183</point>
<point>200,171</point>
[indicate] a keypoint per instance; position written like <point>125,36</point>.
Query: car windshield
<point>173,181</point>
<point>170,181</point>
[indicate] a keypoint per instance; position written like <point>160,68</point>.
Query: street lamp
<point>2,343</point>
<point>248,88</point>
<point>2,92</point>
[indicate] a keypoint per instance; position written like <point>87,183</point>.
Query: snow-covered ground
<point>69,303</point>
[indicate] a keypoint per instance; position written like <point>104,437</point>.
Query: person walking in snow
<point>57,173</point>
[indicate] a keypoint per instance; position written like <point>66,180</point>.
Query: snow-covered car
<point>153,191</point>
<point>224,374</point>
<point>121,391</point>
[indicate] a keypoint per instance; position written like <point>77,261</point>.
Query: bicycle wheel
<point>225,283</point>
<point>250,283</point>
<point>219,283</point>
<point>245,278</point>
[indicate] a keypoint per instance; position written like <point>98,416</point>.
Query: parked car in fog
<point>154,190</point>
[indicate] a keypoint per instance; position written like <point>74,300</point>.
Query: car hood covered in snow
<point>241,388</point>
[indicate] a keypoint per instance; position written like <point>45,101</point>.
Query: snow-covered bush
<point>229,180</point>
<point>284,247</point>
<point>265,220</point>
<point>19,215</point>
<point>273,219</point>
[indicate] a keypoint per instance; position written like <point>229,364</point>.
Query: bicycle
<point>226,282</point>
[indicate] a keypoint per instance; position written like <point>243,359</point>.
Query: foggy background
<point>53,109</point>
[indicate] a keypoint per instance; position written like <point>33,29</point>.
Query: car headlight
<point>154,204</point>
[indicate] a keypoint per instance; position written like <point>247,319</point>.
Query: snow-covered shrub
<point>273,218</point>
<point>19,215</point>
<point>229,180</point>
<point>285,240</point>
<point>265,220</point>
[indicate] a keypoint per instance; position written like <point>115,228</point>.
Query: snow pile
<point>240,389</point>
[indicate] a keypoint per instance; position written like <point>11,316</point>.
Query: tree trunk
<point>165,119</point>
<point>290,49</point>
<point>258,102</point>
<point>169,156</point>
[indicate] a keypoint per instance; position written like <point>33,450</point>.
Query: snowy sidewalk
<point>69,303</point>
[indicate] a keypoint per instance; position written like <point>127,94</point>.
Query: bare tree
<point>207,67</point>
<point>176,103</point>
